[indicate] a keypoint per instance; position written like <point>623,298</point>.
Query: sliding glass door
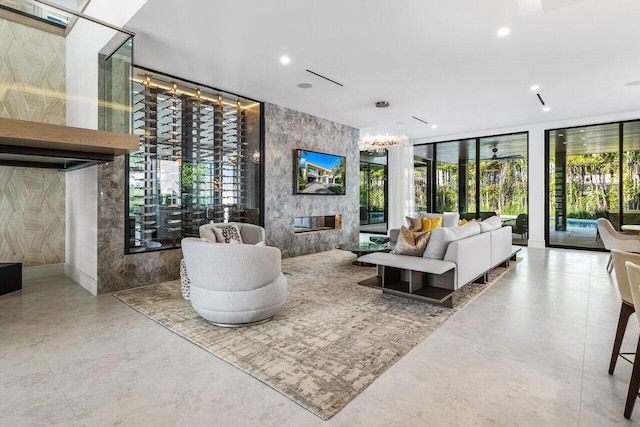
<point>594,172</point>
<point>373,192</point>
<point>476,177</point>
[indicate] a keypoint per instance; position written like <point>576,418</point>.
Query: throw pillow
<point>490,224</point>
<point>462,222</point>
<point>441,237</point>
<point>430,224</point>
<point>414,224</point>
<point>228,234</point>
<point>411,243</point>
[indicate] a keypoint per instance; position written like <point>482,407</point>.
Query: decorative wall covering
<point>285,131</point>
<point>32,201</point>
<point>32,74</point>
<point>32,216</point>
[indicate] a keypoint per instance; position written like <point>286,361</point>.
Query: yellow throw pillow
<point>430,224</point>
<point>462,222</point>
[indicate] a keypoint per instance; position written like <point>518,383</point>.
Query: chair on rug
<point>234,284</point>
<point>250,233</point>
<point>613,239</point>
<point>633,272</point>
<point>627,308</point>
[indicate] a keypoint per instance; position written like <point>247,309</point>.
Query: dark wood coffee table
<point>363,248</point>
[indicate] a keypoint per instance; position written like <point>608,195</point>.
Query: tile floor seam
<point>59,383</point>
<point>584,347</point>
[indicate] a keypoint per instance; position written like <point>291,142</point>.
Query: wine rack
<point>192,164</point>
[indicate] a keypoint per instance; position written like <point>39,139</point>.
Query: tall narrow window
<point>373,192</point>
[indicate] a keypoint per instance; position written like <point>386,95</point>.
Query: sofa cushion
<point>228,234</point>
<point>434,266</point>
<point>441,237</point>
<point>490,224</point>
<point>411,243</point>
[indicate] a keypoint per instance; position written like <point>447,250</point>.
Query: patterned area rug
<point>329,342</point>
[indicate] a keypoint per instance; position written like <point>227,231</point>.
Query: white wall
<point>84,42</point>
<point>81,250</point>
<point>537,166</point>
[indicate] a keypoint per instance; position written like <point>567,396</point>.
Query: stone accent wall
<point>117,271</point>
<point>285,131</point>
<point>32,201</point>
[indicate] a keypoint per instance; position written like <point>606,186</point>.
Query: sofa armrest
<point>393,234</point>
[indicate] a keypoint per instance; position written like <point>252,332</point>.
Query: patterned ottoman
<point>185,284</point>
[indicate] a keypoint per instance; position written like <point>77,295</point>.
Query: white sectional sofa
<point>454,257</point>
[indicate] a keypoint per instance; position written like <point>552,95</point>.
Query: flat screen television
<point>319,173</point>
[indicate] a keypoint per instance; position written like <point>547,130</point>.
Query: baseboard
<point>539,244</point>
<point>42,271</point>
<point>81,278</point>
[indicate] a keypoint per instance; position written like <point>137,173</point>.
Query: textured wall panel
<point>285,131</point>
<point>32,201</point>
<point>32,74</point>
<point>117,271</point>
<point>32,216</point>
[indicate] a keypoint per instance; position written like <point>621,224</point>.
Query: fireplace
<point>306,224</point>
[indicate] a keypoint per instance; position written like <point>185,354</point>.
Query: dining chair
<point>613,239</point>
<point>627,308</point>
<point>633,272</point>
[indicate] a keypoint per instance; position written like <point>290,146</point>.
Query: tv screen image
<point>320,173</point>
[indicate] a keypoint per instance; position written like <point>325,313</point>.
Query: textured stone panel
<point>285,131</point>
<point>117,271</point>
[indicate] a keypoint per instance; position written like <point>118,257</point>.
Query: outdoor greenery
<point>503,187</point>
<point>372,182</point>
<point>592,184</point>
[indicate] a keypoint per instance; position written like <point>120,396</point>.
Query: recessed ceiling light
<point>535,87</point>
<point>401,123</point>
<point>305,85</point>
<point>561,134</point>
<point>504,31</point>
<point>633,83</point>
<point>434,126</point>
<point>285,59</point>
<point>545,109</point>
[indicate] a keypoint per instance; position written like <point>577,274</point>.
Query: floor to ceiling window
<point>373,192</point>
<point>449,177</point>
<point>594,172</point>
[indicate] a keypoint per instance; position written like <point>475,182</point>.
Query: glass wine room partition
<point>199,161</point>
<point>594,172</point>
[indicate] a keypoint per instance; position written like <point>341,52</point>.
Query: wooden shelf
<point>430,294</point>
<point>32,144</point>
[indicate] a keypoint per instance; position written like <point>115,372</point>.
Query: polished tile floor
<point>533,350</point>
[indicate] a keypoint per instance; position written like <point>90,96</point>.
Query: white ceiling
<point>437,60</point>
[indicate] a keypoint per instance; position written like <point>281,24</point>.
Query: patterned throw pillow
<point>411,243</point>
<point>414,224</point>
<point>228,234</point>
